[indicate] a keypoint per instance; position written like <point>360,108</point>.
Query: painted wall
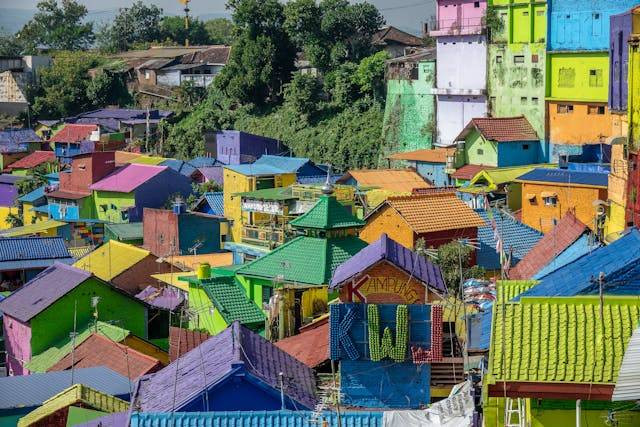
<point>524,21</point>
<point>459,17</point>
<point>387,220</point>
<point>87,170</point>
<point>17,341</point>
<point>634,95</point>
<point>434,172</point>
<point>208,318</point>
<point>518,153</point>
<point>462,63</point>
<point>197,228</point>
<point>582,24</point>
<point>582,125</point>
<point>233,147</point>
<point>578,76</point>
<point>409,116</point>
<point>620,30</point>
<point>111,206</point>
<point>455,111</point>
<point>156,191</point>
<point>72,209</point>
<point>479,151</point>
<point>541,217</point>
<point>5,211</point>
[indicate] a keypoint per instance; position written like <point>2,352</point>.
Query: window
<point>480,151</point>
<point>595,109</point>
<point>525,146</point>
<point>596,16</point>
<point>492,100</point>
<point>525,13</point>
<point>565,109</point>
<point>267,292</point>
<point>540,12</point>
<point>551,201</point>
<point>499,59</point>
<point>476,4</point>
<point>523,100</point>
<point>595,78</point>
<point>518,59</point>
<point>566,77</point>
<point>534,100</point>
<point>147,75</point>
<point>534,59</point>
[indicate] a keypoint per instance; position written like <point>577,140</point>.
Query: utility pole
<point>73,340</point>
<point>146,135</point>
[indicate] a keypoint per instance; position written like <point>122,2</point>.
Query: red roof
<point>311,345</point>
<point>74,133</point>
<point>566,231</point>
<point>101,351</point>
<point>502,129</point>
<point>187,338</point>
<point>469,171</point>
<point>34,159</point>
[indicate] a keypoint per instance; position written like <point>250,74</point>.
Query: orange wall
<point>535,214</point>
<point>579,127</point>
<point>387,220</point>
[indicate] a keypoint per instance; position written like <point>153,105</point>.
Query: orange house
<point>581,123</point>
<point>547,195</point>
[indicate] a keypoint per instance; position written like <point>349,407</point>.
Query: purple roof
<point>387,249</point>
<point>8,194</point>
<point>18,136</point>
<point>214,173</point>
<point>234,348</point>
<point>128,178</point>
<point>166,298</point>
<point>42,291</point>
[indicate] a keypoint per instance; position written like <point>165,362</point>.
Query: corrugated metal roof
<point>18,136</point>
<point>32,229</point>
<point>128,178</point>
<point>288,164</point>
<point>127,231</point>
<point>584,245</point>
<point>34,195</point>
<point>216,202</point>
<point>31,390</point>
<point>32,248</point>
<point>258,419</point>
<point>565,177</point>
<point>111,259</point>
<point>628,384</point>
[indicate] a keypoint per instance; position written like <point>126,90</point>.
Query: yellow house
<point>249,177</point>
<point>617,191</point>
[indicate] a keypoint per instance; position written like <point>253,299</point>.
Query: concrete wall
<point>583,125</point>
<point>434,172</point>
<point>524,21</point>
<point>168,78</point>
<point>620,30</point>
<point>235,147</point>
<point>13,86</point>
<point>578,76</point>
<point>459,16</point>
<point>462,62</point>
<point>455,111</point>
<point>518,153</point>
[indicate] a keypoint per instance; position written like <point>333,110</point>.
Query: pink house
<point>459,17</point>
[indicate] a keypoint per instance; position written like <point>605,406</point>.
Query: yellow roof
<point>172,279</point>
<point>191,262</point>
<point>147,160</point>
<point>111,259</point>
<point>26,230</point>
<point>403,180</point>
<point>125,156</point>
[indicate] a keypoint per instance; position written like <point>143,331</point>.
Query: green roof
<point>561,339</point>
<point>278,193</point>
<point>231,301</point>
<point>497,176</point>
<point>304,260</point>
<point>128,231</point>
<point>327,214</point>
<point>45,360</point>
<point>506,290</point>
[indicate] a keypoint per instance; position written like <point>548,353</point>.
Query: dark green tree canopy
<point>172,28</point>
<point>220,31</point>
<point>139,23</point>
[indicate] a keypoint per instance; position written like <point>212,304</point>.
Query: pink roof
<point>127,178</point>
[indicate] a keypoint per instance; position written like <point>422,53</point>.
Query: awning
<point>549,194</point>
<point>530,196</point>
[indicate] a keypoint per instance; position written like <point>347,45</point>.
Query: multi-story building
<point>461,46</point>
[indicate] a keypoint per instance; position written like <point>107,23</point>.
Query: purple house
<point>236,370</point>
<point>233,147</point>
<point>8,191</point>
<point>620,28</point>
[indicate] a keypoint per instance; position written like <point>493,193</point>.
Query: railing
<point>199,80</point>
<point>262,235</point>
<point>458,25</point>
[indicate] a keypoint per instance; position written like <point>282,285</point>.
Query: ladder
<point>514,416</point>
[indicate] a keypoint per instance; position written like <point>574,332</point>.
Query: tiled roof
<point>619,262</point>
<point>327,214</point>
<point>111,259</point>
<point>517,239</point>
<point>393,252</point>
<point>25,391</point>
<point>295,255</point>
<point>34,195</point>
<point>18,136</point>
<point>52,355</point>
<point>27,248</point>
<point>182,341</point>
<point>217,357</point>
<point>564,176</point>
<point>469,171</point>
<point>231,301</point>
<point>401,180</point>
<point>501,129</point>
<point>506,290</point>
<point>32,160</point>
<point>390,34</point>
<point>311,345</point>
<point>436,212</point>
<point>38,294</point>
<point>566,231</point>
<point>216,202</point>
<point>59,194</point>
<point>288,164</point>
<point>128,178</point>
<point>561,339</point>
<point>98,350</point>
<point>73,133</point>
<point>126,231</point>
<point>433,155</point>
<point>583,246</point>
<point>32,229</point>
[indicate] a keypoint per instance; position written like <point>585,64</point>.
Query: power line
<point>406,6</point>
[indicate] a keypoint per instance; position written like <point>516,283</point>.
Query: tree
<point>107,88</point>
<point>10,45</point>
<point>57,27</point>
<point>220,31</point>
<point>136,24</point>
<point>370,74</point>
<point>449,258</point>
<point>172,28</point>
<point>302,94</point>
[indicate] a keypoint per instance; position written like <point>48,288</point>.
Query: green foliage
<point>136,24</point>
<point>10,45</point>
<point>302,95</point>
<point>493,21</point>
<point>57,26</point>
<point>220,31</point>
<point>173,29</point>
<point>449,257</point>
<point>108,88</point>
<point>370,74</point>
<point>340,85</point>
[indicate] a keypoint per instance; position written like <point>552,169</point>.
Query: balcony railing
<point>199,80</point>
<point>263,235</point>
<point>443,27</point>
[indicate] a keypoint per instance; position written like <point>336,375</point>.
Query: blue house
<point>244,372</point>
<point>430,163</point>
<point>22,258</point>
<point>211,203</point>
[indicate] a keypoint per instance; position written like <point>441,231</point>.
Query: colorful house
<point>517,58</point>
<point>35,159</point>
<point>23,258</point>
<point>620,28</point>
<point>431,164</point>
<point>385,272</point>
<point>232,147</point>
<point>16,144</point>
<point>390,180</point>
<point>464,174</point>
<point>304,168</point>
<point>8,196</point>
<point>547,194</point>
<point>39,315</point>
<point>311,345</point>
<point>122,195</point>
<point>633,201</point>
<point>238,362</point>
<point>132,123</point>
<point>31,201</point>
<point>616,220</point>
<point>437,218</point>
<point>499,142</point>
<point>74,139</point>
<point>572,377</point>
<point>211,202</point>
<point>461,46</point>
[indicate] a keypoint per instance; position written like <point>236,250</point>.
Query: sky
<point>405,14</point>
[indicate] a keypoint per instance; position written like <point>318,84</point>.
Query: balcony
<point>199,80</point>
<point>457,27</point>
<point>263,235</point>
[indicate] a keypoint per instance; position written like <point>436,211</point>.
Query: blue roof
<point>31,197</point>
<point>53,176</point>
<point>517,237</point>
<point>29,248</point>
<point>563,176</point>
<point>255,170</point>
<point>18,136</point>
<point>257,419</point>
<point>41,209</point>
<point>216,202</point>
<point>203,162</point>
<point>179,166</point>
<point>31,390</point>
<point>288,164</point>
<point>580,247</point>
<point>619,261</point>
